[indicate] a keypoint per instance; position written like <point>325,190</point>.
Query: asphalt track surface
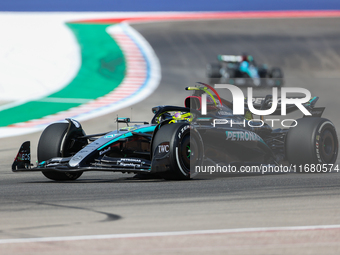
<point>308,50</point>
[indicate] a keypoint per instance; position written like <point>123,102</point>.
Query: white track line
<point>175,233</point>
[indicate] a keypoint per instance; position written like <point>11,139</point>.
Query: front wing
<point>22,163</point>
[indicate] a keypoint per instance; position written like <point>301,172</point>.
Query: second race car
<point>242,70</point>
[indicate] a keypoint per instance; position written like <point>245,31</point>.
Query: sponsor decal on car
<point>163,148</point>
<point>24,156</point>
<point>128,128</point>
<point>110,136</point>
<point>183,129</point>
<point>130,162</point>
<point>104,151</point>
<point>242,136</point>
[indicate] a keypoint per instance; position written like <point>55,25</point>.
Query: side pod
<point>23,158</point>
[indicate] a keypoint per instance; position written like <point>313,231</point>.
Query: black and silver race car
<point>180,138</point>
<point>242,70</point>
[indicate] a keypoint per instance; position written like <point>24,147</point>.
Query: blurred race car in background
<point>242,70</point>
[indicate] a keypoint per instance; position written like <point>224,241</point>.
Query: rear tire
<point>276,73</point>
<point>312,141</point>
<point>53,143</point>
<point>185,149</point>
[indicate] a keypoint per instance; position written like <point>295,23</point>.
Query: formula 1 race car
<point>181,138</point>
<point>241,70</point>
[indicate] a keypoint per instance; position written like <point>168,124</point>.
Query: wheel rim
<point>185,153</point>
<point>327,146</point>
<point>188,151</point>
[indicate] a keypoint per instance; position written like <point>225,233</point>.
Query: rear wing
<point>230,58</point>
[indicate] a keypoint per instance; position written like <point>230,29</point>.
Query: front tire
<point>185,149</point>
<point>312,141</point>
<point>54,143</point>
